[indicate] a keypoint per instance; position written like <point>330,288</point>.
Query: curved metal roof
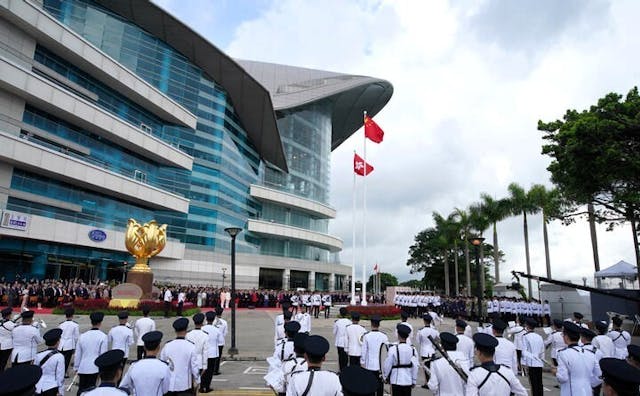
<point>293,87</point>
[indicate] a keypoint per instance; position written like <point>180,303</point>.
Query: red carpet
<point>42,311</point>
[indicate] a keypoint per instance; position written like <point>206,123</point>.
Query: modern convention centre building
<point>114,109</point>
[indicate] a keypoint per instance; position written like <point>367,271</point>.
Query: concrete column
<point>312,280</point>
<point>286,275</point>
<point>102,268</point>
<point>332,281</point>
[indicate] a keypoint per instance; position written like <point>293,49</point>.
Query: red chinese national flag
<point>375,268</point>
<point>372,131</point>
<point>359,166</point>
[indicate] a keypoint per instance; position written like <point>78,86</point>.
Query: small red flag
<point>375,268</point>
<point>372,131</point>
<point>359,166</point>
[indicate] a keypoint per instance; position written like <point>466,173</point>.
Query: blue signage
<point>97,235</point>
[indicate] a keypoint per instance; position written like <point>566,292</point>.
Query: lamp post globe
<point>477,242</point>
<point>233,232</point>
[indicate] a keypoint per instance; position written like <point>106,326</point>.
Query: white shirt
<point>620,341</point>
<point>401,354</point>
<point>284,350</point>
<point>518,332</point>
<point>495,384</point>
<point>533,350</point>
<point>25,343</point>
<point>52,372</point>
<point>201,341</point>
<point>214,338</point>
<point>121,337</point>
<point>371,343</point>
<point>465,345</point>
<point>426,347</point>
<point>605,345</point>
<point>340,332</point>
<point>221,324</point>
<point>105,391</point>
<point>6,338</point>
<point>595,380</point>
<point>70,335</point>
<point>305,322</point>
<point>278,328</point>
<point>181,297</point>
<point>575,371</point>
<point>168,296</point>
<point>91,344</point>
<point>181,356</point>
<point>316,300</point>
<point>325,383</point>
<point>556,340</point>
<point>143,326</point>
<point>147,377</point>
<point>289,367</point>
<point>326,300</point>
<point>354,331</point>
<point>444,380</point>
<point>505,354</point>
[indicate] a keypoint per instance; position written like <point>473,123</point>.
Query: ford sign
<point>97,235</point>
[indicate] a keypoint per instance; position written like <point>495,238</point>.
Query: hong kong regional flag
<point>372,131</point>
<point>359,166</point>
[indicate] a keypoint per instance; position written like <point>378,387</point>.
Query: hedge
<point>156,308</point>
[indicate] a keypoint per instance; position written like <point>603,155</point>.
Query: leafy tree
<point>495,210</point>
<point>480,223</point>
<point>549,203</point>
<point>595,159</point>
<point>413,283</point>
<point>522,203</point>
<point>446,228</point>
<point>386,279</point>
<point>464,223</point>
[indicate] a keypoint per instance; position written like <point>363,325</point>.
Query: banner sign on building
<point>15,220</point>
<point>97,235</point>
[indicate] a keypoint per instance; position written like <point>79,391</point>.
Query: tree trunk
<point>594,236</point>
<point>546,245</point>
<point>634,229</point>
<point>481,269</point>
<point>466,258</point>
<point>446,272</point>
<point>496,255</point>
<point>526,252</point>
<point>455,265</point>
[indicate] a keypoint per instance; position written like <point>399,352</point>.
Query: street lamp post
<point>477,242</point>
<point>224,275</point>
<point>233,232</point>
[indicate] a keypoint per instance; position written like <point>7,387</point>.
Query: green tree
<point>595,159</point>
<point>549,203</point>
<point>521,203</point>
<point>480,223</point>
<point>464,223</point>
<point>446,228</point>
<point>413,283</point>
<point>386,279</point>
<point>495,210</point>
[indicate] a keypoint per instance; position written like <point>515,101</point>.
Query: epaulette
<point>565,348</point>
<point>474,367</point>
<point>163,361</point>
<point>204,332</point>
<point>89,390</point>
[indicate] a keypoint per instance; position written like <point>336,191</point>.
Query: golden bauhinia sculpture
<point>144,241</point>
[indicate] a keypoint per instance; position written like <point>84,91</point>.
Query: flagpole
<point>364,222</point>
<point>353,257</point>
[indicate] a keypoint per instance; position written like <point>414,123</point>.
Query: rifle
<point>445,355</point>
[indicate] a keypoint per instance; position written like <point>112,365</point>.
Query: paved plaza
<point>255,330</point>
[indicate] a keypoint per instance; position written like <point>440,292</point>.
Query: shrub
<point>156,308</point>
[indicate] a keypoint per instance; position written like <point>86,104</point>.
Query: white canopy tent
<point>621,275</point>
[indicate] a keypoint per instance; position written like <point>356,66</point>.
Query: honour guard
<point>372,341</point>
<point>586,337</point>
<point>221,324</point>
<point>354,331</point>
<point>6,338</point>
<point>490,379</point>
<point>149,376</point>
<point>91,344</point>
<point>51,361</point>
<point>280,334</point>
<point>304,318</point>
<point>426,347</point>
<point>213,358</point>
<point>143,325</point>
<point>314,381</point>
<point>576,369</point>
<point>297,363</point>
<point>284,350</point>
<point>555,340</point>
<point>326,301</point>
<point>69,339</point>
<point>505,354</point>
<point>20,380</point>
<point>619,377</point>
<point>401,365</point>
<point>444,379</point>
<point>316,301</point>
<point>340,336</point>
<point>279,323</point>
<point>620,338</point>
<point>404,316</point>
<point>26,338</point>
<point>602,340</point>
<point>357,381</point>
<point>465,344</point>
<point>121,336</point>
<point>533,356</point>
<point>200,339</point>
<point>181,356</point>
<point>110,368</point>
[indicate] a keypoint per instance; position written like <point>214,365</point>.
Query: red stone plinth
<point>142,279</point>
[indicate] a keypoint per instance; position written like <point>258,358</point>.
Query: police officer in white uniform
<point>575,367</point>
<point>26,338</point>
<point>357,381</point>
<point>314,381</point>
<point>372,341</point>
<point>304,318</point>
<point>213,357</point>
<point>181,356</point>
<point>149,376</point>
<point>555,341</point>
<point>505,354</point>
<point>143,325</point>
<point>444,379</point>
<point>316,302</point>
<point>465,344</point>
<point>294,364</point>
<point>340,337</point>
<point>278,323</point>
<point>602,340</point>
<point>51,362</point>
<point>490,379</point>
<point>110,368</point>
<point>533,356</point>
<point>354,331</point>
<point>401,365</point>
<point>284,349</point>
<point>404,316</point>
<point>6,338</point>
<point>91,344</point>
<point>200,339</point>
<point>69,339</point>
<point>621,338</point>
<point>326,301</point>
<point>20,380</point>
<point>221,324</point>
<point>426,347</point>
<point>587,336</point>
<point>121,336</point>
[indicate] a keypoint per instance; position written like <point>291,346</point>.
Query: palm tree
<point>455,233</point>
<point>446,237</point>
<point>465,230</point>
<point>479,222</point>
<point>547,201</point>
<point>521,203</point>
<point>495,211</point>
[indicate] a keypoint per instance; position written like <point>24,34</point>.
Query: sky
<point>471,80</point>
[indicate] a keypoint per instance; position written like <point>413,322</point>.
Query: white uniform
<point>505,354</point>
<point>444,380</point>
<point>284,350</point>
<point>340,332</point>
<point>201,341</point>
<point>371,343</point>
<point>181,356</point>
<point>25,343</point>
<point>409,339</point>
<point>305,322</point>
<point>316,300</point>
<point>576,369</point>
<point>121,337</point>
<point>620,341</point>
<point>401,365</point>
<point>147,377</point>
<point>289,367</point>
<point>70,335</point>
<point>556,341</point>
<point>595,380</point>
<point>323,383</point>
<point>105,390</point>
<point>278,330</point>
<point>465,345</point>
<point>517,332</point>
<point>605,345</point>
<point>91,344</point>
<point>533,350</point>
<point>493,380</point>
<point>221,324</point>
<point>354,331</point>
<point>214,338</point>
<point>6,338</point>
<point>52,371</point>
<point>426,347</point>
<point>142,327</point>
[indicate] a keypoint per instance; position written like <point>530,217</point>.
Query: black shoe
<point>216,373</point>
<point>425,386</point>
